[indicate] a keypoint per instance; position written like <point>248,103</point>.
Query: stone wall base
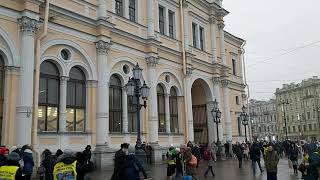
<point>104,158</point>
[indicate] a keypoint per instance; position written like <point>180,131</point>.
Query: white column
<point>28,28</point>
<point>63,103</point>
<point>188,105</point>
<point>102,9</point>
<point>125,125</point>
<point>103,93</point>
<point>216,92</point>
<point>126,9</point>
<point>186,25</point>
<point>211,132</point>
<point>167,112</point>
<point>213,39</point>
<point>150,18</point>
<point>152,105</point>
<point>222,43</point>
<point>227,115</point>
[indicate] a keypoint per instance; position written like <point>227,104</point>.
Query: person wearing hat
<point>67,166</point>
<point>12,170</point>
<point>28,162</point>
<point>119,159</point>
<point>132,167</point>
<point>3,155</point>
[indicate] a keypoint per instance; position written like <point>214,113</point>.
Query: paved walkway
<point>223,169</point>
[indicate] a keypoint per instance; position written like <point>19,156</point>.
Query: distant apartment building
<point>300,105</point>
<point>263,116</point>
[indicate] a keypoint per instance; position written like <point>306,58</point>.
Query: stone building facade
<point>187,57</point>
<point>263,116</point>
<point>302,110</point>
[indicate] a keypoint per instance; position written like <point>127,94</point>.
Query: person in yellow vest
<point>12,170</point>
<point>67,167</point>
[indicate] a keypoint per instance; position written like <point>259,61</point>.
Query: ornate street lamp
<point>216,114</point>
<point>245,120</point>
<point>135,90</point>
<point>283,103</point>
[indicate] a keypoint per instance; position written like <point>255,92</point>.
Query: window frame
<point>119,7</point>
<point>131,115</point>
<point>76,107</point>
<point>132,11</point>
<point>46,105</point>
<point>202,39</point>
<point>161,114</point>
<point>112,110</point>
<point>162,26</point>
<point>194,35</point>
<point>234,67</point>
<point>173,103</point>
<point>171,18</point>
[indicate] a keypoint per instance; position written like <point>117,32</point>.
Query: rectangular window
<point>292,117</point>
<point>237,100</point>
<point>119,7</point>
<point>132,10</point>
<point>201,38</point>
<point>289,129</point>
<point>299,128</point>
<point>194,35</point>
<point>294,129</point>
<point>234,67</point>
<point>309,116</point>
<point>161,20</point>
<point>171,22</point>
<point>310,127</point>
<point>315,127</point>
<point>304,128</point>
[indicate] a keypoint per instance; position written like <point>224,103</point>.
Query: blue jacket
<point>28,162</point>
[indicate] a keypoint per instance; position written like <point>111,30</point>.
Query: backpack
<point>207,155</point>
<point>193,162</point>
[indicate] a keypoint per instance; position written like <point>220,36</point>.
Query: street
<point>223,169</point>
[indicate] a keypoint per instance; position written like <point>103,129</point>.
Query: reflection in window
<point>173,104</point>
<point>161,108</point>
<point>76,100</point>
<point>132,115</point>
<point>119,7</point>
<point>115,104</point>
<point>48,112</point>
<point>132,10</point>
<point>161,20</point>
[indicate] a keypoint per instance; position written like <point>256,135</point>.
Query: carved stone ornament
<point>225,83</point>
<point>103,47</point>
<point>184,3</point>
<point>216,80</point>
<point>189,70</point>
<point>28,26</point>
<point>152,61</point>
<point>221,25</point>
<point>212,20</point>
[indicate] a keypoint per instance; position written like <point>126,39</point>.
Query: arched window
<point>115,104</point>
<point>173,104</point>
<point>76,100</point>
<point>48,110</point>
<point>161,108</point>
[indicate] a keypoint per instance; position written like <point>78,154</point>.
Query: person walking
<point>191,163</point>
<point>293,153</point>
<point>11,170</point>
<point>87,153</point>
<point>119,160</point>
<point>271,163</point>
<point>239,153</point>
<point>255,155</point>
<point>48,162</point>
<point>208,156</point>
<point>28,162</point>
<point>148,150</point>
<point>195,150</point>
<point>132,167</point>
<point>171,161</point>
<point>313,162</point>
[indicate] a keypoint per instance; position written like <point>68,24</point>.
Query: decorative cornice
<point>64,80</point>
<point>221,25</point>
<point>152,61</point>
<point>212,20</point>
<point>185,3</point>
<point>91,83</point>
<point>216,80</point>
<point>12,70</point>
<point>225,83</point>
<point>103,47</point>
<point>28,26</point>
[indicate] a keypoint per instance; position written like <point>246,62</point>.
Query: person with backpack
<point>132,167</point>
<point>171,160</point>
<point>48,163</point>
<point>191,163</point>
<point>293,153</point>
<point>255,155</point>
<point>28,162</point>
<point>208,156</point>
<point>195,150</point>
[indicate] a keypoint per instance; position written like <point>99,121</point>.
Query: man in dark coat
<point>119,160</point>
<point>271,162</point>
<point>12,161</point>
<point>48,163</point>
<point>239,153</point>
<point>28,162</point>
<point>87,153</point>
<point>255,155</point>
<point>132,167</point>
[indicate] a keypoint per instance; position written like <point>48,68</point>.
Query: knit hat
<point>4,151</point>
<point>14,157</point>
<point>131,150</point>
<point>68,152</point>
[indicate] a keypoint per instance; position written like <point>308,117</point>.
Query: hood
<point>66,158</point>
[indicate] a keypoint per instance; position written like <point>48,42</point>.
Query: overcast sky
<point>283,41</point>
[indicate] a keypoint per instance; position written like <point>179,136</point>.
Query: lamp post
<point>283,103</point>
<point>216,114</point>
<point>245,120</point>
<point>136,90</point>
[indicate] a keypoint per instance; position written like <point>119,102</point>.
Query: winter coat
<point>210,162</point>
<point>19,171</point>
<point>271,161</point>
<point>2,160</point>
<point>190,170</point>
<point>48,163</point>
<point>131,168</point>
<point>255,153</point>
<point>312,172</point>
<point>27,161</point>
<point>196,152</point>
<point>293,154</point>
<point>238,151</point>
<point>87,154</point>
<point>119,160</point>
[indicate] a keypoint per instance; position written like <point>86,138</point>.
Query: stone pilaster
<point>125,125</point>
<point>186,24</point>
<point>167,112</point>
<point>227,115</point>
<point>188,104</point>
<point>150,19</point>
<point>28,29</point>
<point>222,42</point>
<point>213,26</point>
<point>217,96</point>
<point>63,103</point>
<point>102,9</point>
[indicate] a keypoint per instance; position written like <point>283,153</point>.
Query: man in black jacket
<point>119,161</point>
<point>255,155</point>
